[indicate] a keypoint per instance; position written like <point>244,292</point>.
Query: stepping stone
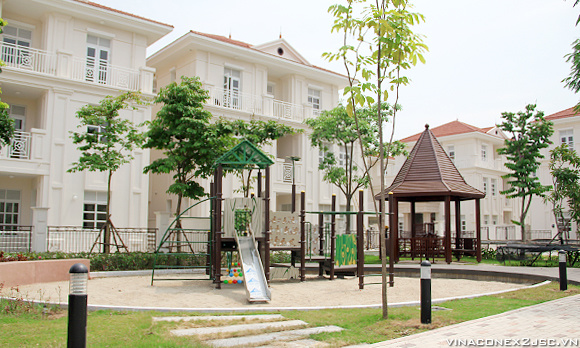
<point>291,335</point>
<point>239,328</point>
<point>307,342</point>
<point>222,317</point>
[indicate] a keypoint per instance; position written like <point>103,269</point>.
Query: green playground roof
<point>245,155</point>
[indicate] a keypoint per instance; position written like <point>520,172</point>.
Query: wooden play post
<point>267,225</point>
<point>218,231</point>
<point>360,252</point>
<point>321,240</point>
<point>332,236</point>
<point>302,236</point>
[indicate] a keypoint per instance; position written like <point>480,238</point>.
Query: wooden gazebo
<point>429,175</point>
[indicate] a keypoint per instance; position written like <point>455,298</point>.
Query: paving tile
<point>238,328</point>
<point>274,336</point>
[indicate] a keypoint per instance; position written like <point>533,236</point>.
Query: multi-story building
<point>61,55</point>
<point>271,81</point>
<point>566,123</point>
<point>473,150</point>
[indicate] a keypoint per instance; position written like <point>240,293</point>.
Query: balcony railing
<point>260,105</point>
<point>27,58</point>
<point>19,147</point>
<point>104,74</point>
<point>75,68</point>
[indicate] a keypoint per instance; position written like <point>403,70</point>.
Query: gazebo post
<point>478,229</point>
<point>394,241</point>
<point>458,228</point>
<point>413,230</point>
<point>447,240</point>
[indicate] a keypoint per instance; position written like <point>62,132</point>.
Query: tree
<point>188,140</point>
<point>259,133</point>
<point>530,133</point>
<point>337,127</point>
<point>6,123</point>
<point>385,29</point>
<point>106,142</point>
<point>565,169</point>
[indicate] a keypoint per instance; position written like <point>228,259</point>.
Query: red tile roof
<point>563,114</point>
<point>94,4</point>
<point>451,128</point>
<point>249,46</point>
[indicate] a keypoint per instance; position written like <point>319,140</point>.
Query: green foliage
<point>565,169</point>
<point>188,140</point>
<point>530,133</point>
<point>112,146</point>
<point>6,123</point>
<point>259,133</point>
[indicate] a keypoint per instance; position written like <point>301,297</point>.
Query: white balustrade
<point>19,147</point>
<point>27,58</point>
<point>105,74</point>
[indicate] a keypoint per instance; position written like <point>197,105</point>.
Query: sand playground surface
<point>136,291</point>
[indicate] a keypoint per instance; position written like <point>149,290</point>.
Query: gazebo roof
<point>245,155</point>
<point>429,174</point>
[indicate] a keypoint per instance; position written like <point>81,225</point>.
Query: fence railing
<point>72,239</point>
<point>27,58</point>
<point>104,74</point>
<point>15,238</point>
<point>19,147</point>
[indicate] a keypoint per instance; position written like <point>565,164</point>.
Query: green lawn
<point>23,326</point>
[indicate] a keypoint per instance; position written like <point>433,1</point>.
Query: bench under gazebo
<point>429,175</point>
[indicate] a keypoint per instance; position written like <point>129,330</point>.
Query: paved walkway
<point>549,324</point>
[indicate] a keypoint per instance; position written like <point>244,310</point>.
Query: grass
<point>27,325</point>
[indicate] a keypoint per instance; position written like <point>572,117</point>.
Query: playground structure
<point>243,225</point>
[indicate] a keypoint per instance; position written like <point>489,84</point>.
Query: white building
<point>61,55</point>
<point>271,81</point>
<point>474,152</point>
<point>566,124</point>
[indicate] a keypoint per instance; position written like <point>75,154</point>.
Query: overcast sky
<point>485,56</point>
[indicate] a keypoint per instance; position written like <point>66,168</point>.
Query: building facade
<point>61,55</point>
<point>271,81</point>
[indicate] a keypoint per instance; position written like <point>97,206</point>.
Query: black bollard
<point>426,292</point>
<point>563,275</point>
<point>77,306</point>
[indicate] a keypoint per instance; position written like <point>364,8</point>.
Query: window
<point>99,132</point>
<point>19,144</point>
<point>484,152</point>
<point>486,219</point>
<point>9,210</point>
<point>322,153</point>
<point>342,157</point>
<point>494,219</point>
<point>433,217</point>
<point>567,137</point>
<point>15,48</point>
<point>232,87</point>
<point>451,152</point>
<point>485,186</point>
<point>172,76</point>
<point>401,226</point>
<point>463,223</point>
<point>270,89</point>
<point>98,58</point>
<point>314,100</point>
<point>94,209</point>
<point>493,187</point>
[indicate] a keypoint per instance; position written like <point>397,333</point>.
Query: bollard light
<point>79,278</point>
<point>425,292</point>
<point>563,272</point>
<point>77,306</point>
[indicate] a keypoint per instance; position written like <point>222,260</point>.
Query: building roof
<point>94,4</point>
<point>451,128</point>
<point>257,49</point>
<point>429,174</point>
<point>563,114</point>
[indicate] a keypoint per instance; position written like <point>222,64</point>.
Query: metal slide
<point>254,276</point>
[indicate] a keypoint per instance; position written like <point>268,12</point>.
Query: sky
<point>485,56</point>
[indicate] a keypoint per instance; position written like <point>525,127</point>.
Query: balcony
<point>65,65</point>
<point>259,105</point>
<point>26,154</point>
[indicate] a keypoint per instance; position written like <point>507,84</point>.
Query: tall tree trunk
<point>107,236</point>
